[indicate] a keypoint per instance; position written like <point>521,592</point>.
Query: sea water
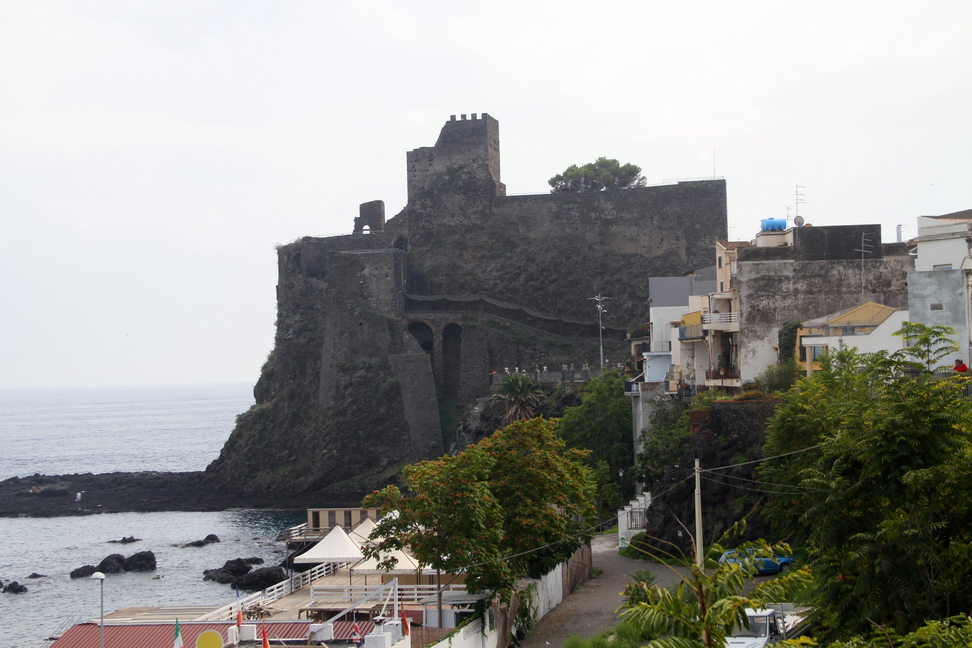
<point>173,428</point>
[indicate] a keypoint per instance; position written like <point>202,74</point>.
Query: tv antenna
<point>864,250</point>
<point>801,199</point>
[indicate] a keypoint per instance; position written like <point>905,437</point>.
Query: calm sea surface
<point>169,428</point>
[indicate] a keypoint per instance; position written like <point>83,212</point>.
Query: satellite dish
<point>798,221</point>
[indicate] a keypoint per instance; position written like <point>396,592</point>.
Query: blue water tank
<point>772,224</point>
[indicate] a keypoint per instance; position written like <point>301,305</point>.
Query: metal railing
<point>280,590</point>
<point>347,594</point>
<point>720,318</point>
<point>718,374</point>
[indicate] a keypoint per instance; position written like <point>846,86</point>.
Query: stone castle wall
<point>415,312</point>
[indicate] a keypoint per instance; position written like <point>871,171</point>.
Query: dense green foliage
<point>879,487</point>
<point>517,397</point>
<point>517,503</point>
<point>601,174</point>
<point>779,377</point>
<point>602,424</point>
<point>666,439</point>
<point>787,339</point>
<point>705,606</point>
<point>946,633</point>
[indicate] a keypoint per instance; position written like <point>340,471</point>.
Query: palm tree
<point>517,397</point>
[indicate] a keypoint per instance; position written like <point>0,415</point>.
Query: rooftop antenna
<point>801,199</point>
<point>865,249</point>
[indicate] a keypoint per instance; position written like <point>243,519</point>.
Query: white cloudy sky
<point>152,154</point>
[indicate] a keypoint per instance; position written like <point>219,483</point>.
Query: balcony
<point>719,374</point>
<point>726,378</point>
<point>691,332</point>
<point>721,321</point>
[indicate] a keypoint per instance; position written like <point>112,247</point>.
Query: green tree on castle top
<point>601,174</point>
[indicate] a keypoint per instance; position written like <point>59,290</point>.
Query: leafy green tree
<point>663,442</point>
<point>710,601</point>
<point>602,425</point>
<point>601,174</point>
<point>517,397</point>
<point>879,485</point>
<point>945,633</point>
<point>516,503</point>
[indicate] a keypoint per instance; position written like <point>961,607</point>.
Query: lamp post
<point>600,326</point>
<point>101,630</point>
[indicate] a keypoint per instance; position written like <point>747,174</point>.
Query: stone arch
<point>423,334</point>
<point>401,243</point>
<point>451,360</point>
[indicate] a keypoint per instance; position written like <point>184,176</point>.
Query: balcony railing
<point>717,374</point>
<point>690,332</point>
<point>720,318</point>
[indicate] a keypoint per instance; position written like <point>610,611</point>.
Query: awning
<point>406,564</point>
<point>335,547</point>
<point>360,533</point>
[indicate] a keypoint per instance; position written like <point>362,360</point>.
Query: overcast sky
<point>152,154</point>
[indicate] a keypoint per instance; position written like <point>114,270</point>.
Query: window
<point>721,286</point>
<point>720,261</point>
<point>937,306</point>
<point>942,266</point>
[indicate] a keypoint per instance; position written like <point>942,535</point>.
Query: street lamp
<point>101,630</point>
<point>600,326</point>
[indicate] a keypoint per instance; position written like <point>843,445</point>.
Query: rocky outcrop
<point>210,539</point>
<point>260,579</point>
<point>14,587</point>
<point>143,561</point>
<point>232,570</point>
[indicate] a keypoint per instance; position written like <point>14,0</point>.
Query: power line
<point>746,463</point>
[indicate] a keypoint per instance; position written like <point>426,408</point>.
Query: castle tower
<point>467,149</point>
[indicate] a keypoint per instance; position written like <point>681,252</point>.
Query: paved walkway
<point>591,608</point>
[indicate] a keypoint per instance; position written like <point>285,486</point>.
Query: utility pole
<point>699,551</point>
<point>600,323</point>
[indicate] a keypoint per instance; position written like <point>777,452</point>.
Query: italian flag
<point>177,642</point>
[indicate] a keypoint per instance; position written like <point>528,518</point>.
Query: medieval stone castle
<point>381,331</point>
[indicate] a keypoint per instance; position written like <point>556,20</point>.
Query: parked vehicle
<point>768,626</point>
<point>772,564</point>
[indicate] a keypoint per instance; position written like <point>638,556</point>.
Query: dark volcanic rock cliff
<point>382,331</point>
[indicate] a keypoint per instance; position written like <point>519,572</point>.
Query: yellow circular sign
<point>210,639</point>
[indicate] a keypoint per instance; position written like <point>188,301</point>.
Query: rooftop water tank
<point>772,224</point>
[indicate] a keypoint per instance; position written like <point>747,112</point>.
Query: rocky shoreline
<point>57,495</point>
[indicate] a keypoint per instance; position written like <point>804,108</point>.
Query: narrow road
<point>592,607</point>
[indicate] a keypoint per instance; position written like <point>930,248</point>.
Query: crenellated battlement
<point>466,148</point>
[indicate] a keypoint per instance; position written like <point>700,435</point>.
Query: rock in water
<point>84,572</point>
<point>36,575</point>
<point>14,588</point>
<point>142,561</point>
<point>261,579</point>
<point>113,564</point>
<point>229,572</point>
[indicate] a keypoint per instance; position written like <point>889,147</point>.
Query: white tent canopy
<point>335,547</point>
<point>406,564</point>
<point>360,533</point>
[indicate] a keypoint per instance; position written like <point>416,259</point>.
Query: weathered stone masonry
<point>378,328</point>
